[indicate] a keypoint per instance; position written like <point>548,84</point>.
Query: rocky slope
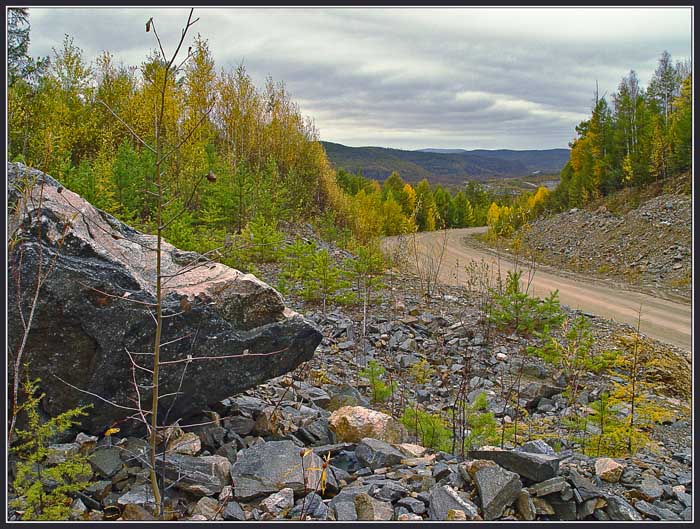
<point>261,454</point>
<point>648,247</point>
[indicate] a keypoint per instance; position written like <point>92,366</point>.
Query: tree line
<point>644,136</point>
<point>79,121</point>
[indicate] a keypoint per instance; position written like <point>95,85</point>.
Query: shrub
<point>265,240</point>
<point>574,353</point>
<point>379,389</point>
<point>366,268</point>
<point>45,490</point>
<point>481,424</point>
<point>515,308</point>
<point>429,428</point>
<point>421,371</point>
<point>324,280</point>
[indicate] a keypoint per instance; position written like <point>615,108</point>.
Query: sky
<point>409,78</point>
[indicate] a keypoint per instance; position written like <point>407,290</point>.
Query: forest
<point>79,121</point>
<point>644,137</point>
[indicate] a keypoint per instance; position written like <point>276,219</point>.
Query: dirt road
<point>664,320</point>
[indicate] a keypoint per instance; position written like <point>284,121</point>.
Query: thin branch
<point>175,340</point>
<point>133,133</point>
<point>188,136</point>
<point>98,396</point>
<point>115,296</point>
<point>193,358</point>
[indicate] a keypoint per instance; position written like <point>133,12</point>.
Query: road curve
<point>665,320</point>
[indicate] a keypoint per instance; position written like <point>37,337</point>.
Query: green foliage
<point>264,240</point>
<point>365,269</point>
<point>482,428</point>
<point>380,390</point>
<point>575,352</point>
<point>297,261</point>
<point>602,432</point>
<point>636,394</point>
<point>324,280</point>
<point>45,489</point>
<point>429,428</point>
<point>421,371</point>
<point>515,309</point>
<point>644,137</point>
<point>330,230</point>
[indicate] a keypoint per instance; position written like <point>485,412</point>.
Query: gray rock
<point>229,451</point>
<point>207,507</point>
<point>535,467</point>
<point>266,468</point>
<point>310,505</point>
<point>441,470</point>
<point>312,394</point>
<point>346,396</point>
<point>201,476</point>
<point>564,509</point>
<point>135,451</point>
<point>233,512</point>
<point>498,488</point>
<point>525,506</point>
<point>343,505</point>
<point>59,453</point>
<point>619,510</point>
<point>444,498</point>
<point>376,454</point>
<point>585,487</point>
<point>414,505</point>
<point>240,424</point>
<point>83,333</point>
<point>99,489</point>
<point>278,502</point>
<point>651,489</point>
<point>534,391</point>
<point>545,405</point>
<point>212,437</point>
<point>550,486</point>
<point>654,512</point>
<point>389,491</point>
<point>141,495</point>
<point>538,446</point>
<point>685,498</point>
<point>368,508</point>
<point>106,462</point>
<point>687,514</point>
<point>586,508</point>
<point>423,395</point>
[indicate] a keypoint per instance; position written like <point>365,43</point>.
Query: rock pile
<point>254,475</point>
<point>650,246</point>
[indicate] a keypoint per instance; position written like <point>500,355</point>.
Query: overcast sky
<point>409,78</point>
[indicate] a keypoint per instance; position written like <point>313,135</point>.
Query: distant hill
<point>446,166</point>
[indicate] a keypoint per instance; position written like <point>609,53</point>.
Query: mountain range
<point>445,166</point>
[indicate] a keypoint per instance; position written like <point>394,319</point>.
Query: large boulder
<point>94,307</point>
<point>354,423</point>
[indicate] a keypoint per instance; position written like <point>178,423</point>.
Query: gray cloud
<point>410,78</point>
